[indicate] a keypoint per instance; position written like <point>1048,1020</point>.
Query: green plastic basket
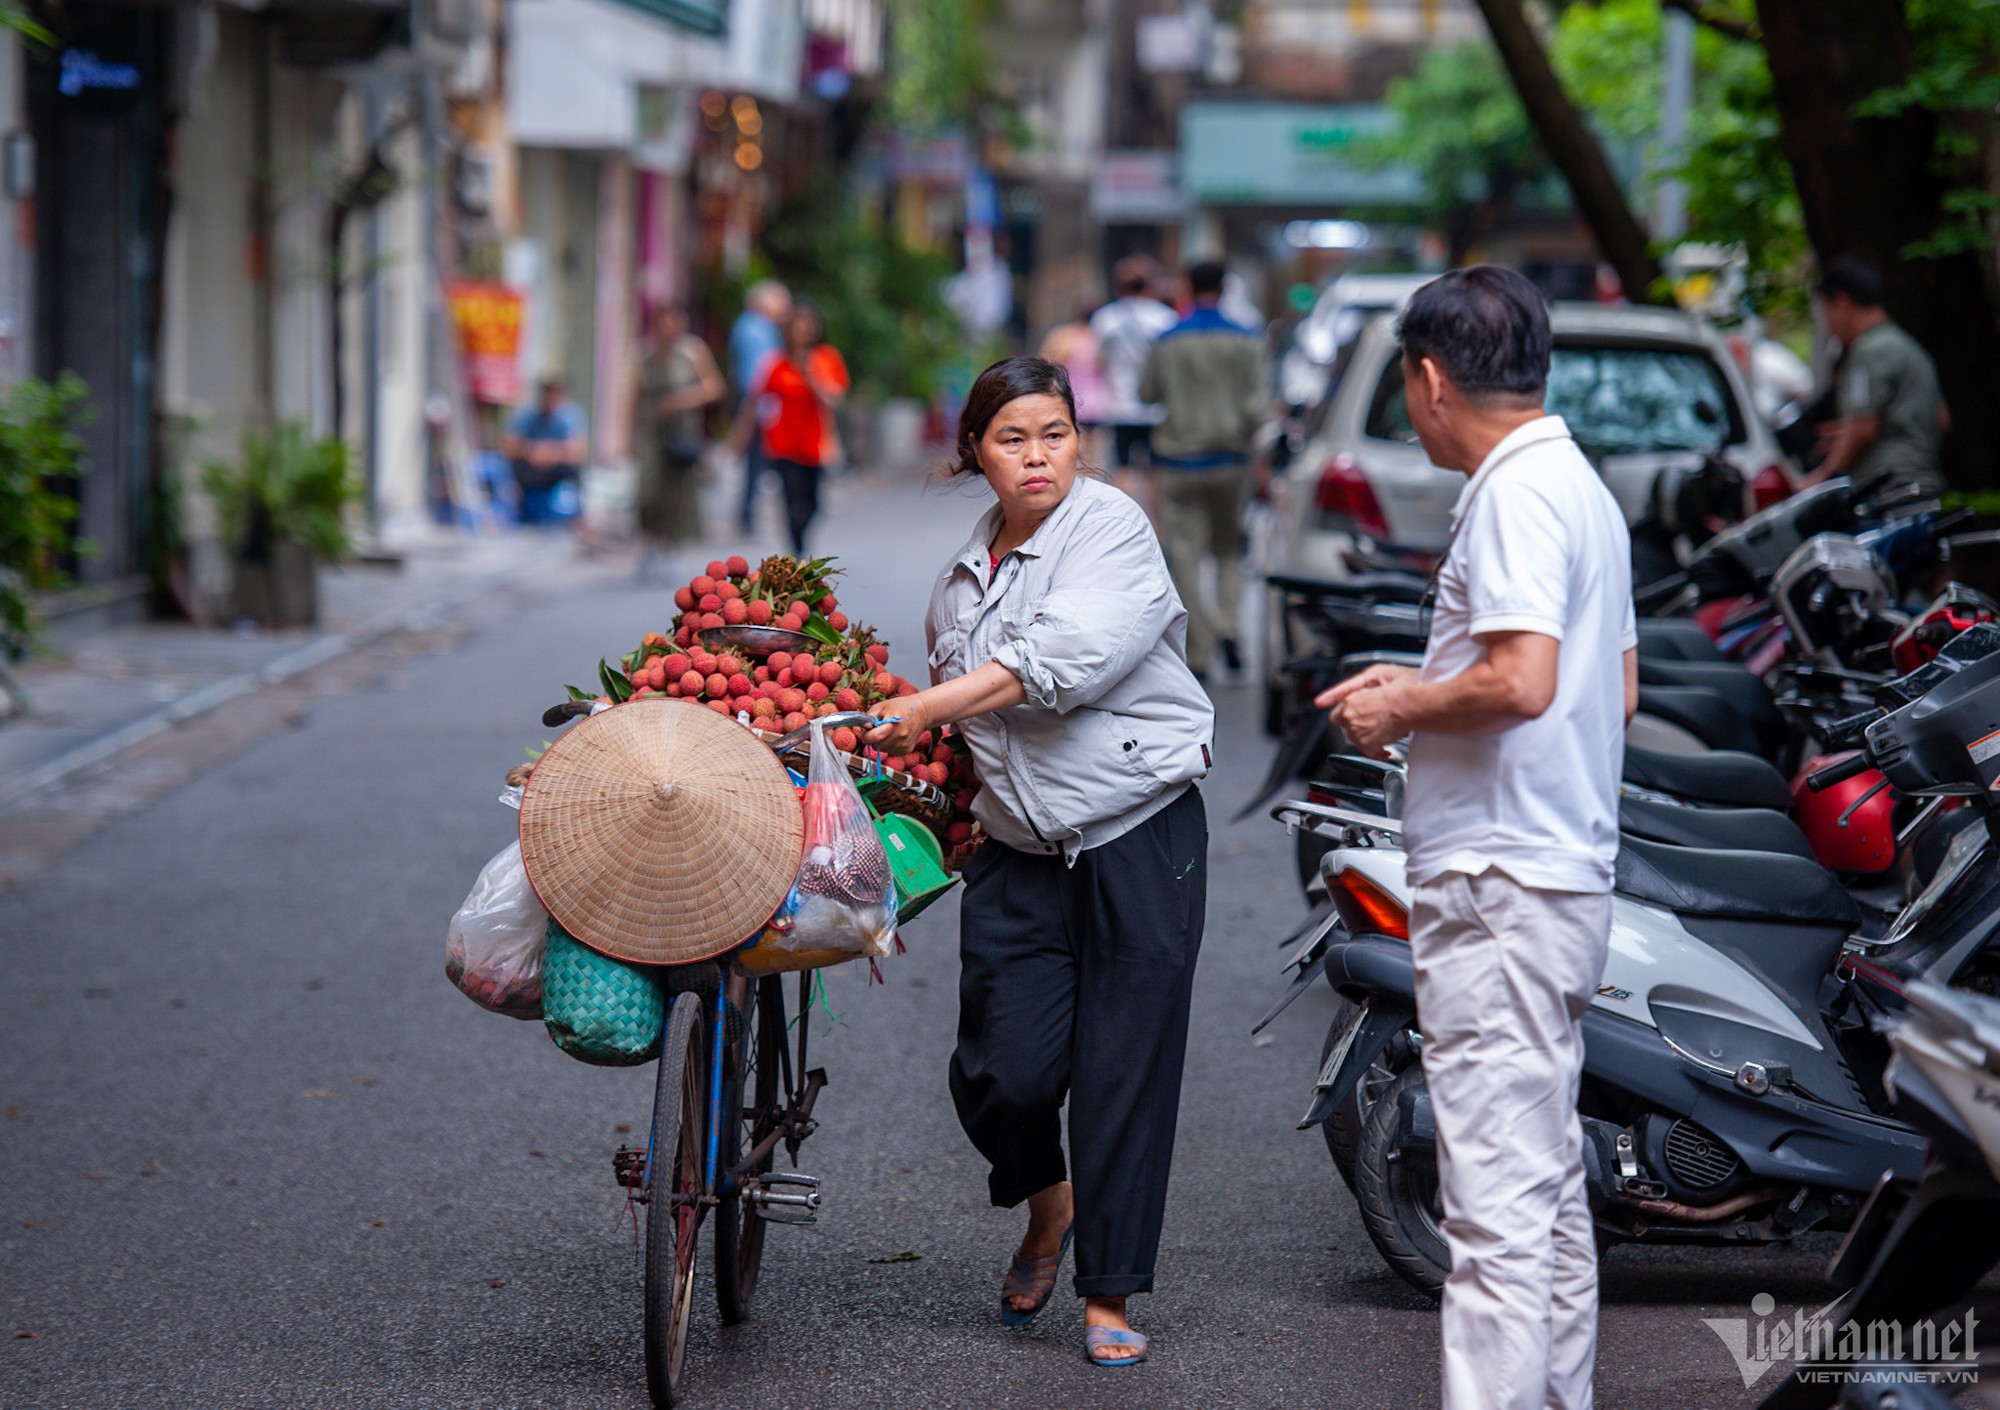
<point>916,863</point>
<point>597,1009</point>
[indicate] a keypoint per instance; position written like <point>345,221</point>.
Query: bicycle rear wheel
<point>750,1106</point>
<point>673,1195</point>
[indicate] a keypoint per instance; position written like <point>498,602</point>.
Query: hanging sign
<point>488,317</point>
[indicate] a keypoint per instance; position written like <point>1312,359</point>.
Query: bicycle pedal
<point>783,1197</point>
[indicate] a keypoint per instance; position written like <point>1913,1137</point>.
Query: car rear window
<point>1617,400</point>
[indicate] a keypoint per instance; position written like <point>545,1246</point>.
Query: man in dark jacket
<point>1208,375</point>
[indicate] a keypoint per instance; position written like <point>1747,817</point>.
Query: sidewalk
<point>96,693</point>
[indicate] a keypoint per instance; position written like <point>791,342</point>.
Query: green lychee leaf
<point>820,630</point>
<point>579,693</point>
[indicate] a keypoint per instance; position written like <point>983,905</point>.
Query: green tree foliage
<point>39,450</point>
<point>940,63</point>
<point>882,301</point>
<point>1957,76</point>
<point>1460,125</point>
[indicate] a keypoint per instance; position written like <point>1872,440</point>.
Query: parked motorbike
<point>1733,1084</point>
<point>1831,604</point>
<point>1919,1250</point>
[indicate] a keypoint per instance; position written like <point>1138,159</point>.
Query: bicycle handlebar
<point>557,716</point>
<point>840,719</point>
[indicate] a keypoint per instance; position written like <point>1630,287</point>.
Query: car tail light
<point>1365,906</point>
<point>1770,485</point>
<point>1347,499</point>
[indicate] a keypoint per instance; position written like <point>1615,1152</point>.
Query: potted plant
<point>39,450</point>
<point>283,509</point>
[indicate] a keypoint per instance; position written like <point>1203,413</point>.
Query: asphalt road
<point>257,1152</point>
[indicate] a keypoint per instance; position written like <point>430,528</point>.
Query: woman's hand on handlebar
<point>903,720</point>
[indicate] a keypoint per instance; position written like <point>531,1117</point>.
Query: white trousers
<point>1503,974</point>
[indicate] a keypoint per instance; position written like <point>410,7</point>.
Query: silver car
<point>1641,389</point>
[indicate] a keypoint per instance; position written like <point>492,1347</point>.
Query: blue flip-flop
<point>1023,1274</point>
<point>1096,1339</point>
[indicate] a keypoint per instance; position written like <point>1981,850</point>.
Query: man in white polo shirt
<point>1516,724</point>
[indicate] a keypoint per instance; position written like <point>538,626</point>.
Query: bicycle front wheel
<point>750,1110</point>
<point>673,1196</point>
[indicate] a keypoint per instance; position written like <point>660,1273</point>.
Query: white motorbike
<point>1733,1078</point>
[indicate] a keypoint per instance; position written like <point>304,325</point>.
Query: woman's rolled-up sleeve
<point>1109,605</point>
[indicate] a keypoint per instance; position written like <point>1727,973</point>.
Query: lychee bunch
<point>787,690</point>
<point>781,592</point>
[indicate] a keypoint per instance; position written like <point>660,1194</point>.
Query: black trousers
<point>1076,982</point>
<point>801,499</point>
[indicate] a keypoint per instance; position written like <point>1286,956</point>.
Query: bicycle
<point>729,1092</point>
<point>731,1088</point>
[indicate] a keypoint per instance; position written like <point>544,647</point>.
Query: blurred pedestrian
<point>1516,724</point>
<point>1125,330</point>
<point>1055,631</point>
<point>1209,376</point>
<point>1892,415</point>
<point>754,339</point>
<point>678,382</point>
<point>545,444</point>
<point>790,412</point>
<point>1073,347</point>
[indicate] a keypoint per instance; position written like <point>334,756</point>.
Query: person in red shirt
<point>792,406</point>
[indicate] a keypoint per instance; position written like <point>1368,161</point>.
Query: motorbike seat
<point>1722,778</point>
<point>1742,692</point>
<point>1764,886</point>
<point>1674,639</point>
<point>1729,829</point>
<point>1703,713</point>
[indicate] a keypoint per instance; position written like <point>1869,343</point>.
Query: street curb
<point>216,694</point>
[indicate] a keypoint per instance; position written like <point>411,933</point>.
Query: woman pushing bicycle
<point>1058,649</point>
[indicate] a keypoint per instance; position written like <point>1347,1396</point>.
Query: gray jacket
<point>1115,726</point>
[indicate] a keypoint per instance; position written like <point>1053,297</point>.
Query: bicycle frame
<point>792,1127</point>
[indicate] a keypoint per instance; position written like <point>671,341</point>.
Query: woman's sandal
<point>1031,1277</point>
<point>1096,1339</point>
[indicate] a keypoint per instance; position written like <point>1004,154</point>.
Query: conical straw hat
<point>660,832</point>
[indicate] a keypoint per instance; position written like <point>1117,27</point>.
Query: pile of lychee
<point>782,592</point>
<point>787,689</point>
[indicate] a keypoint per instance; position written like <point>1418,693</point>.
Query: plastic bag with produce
<point>493,949</point>
<point>845,898</point>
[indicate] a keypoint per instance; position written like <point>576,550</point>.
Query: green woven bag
<point>597,1009</point>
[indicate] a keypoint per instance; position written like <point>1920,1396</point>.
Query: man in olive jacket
<point>1208,375</point>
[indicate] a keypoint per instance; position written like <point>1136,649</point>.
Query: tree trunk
<point>1868,188</point>
<point>1574,148</point>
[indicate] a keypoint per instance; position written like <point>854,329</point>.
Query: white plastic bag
<point>493,950</point>
<point>845,898</point>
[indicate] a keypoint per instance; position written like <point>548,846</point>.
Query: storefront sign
<point>488,318</point>
<point>82,71</point>
<point>1136,188</point>
<point>1288,154</point>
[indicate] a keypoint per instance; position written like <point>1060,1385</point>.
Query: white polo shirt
<point>1538,545</point>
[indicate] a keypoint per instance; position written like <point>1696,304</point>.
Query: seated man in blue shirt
<point>545,444</point>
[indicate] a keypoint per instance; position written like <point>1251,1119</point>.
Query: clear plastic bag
<point>845,897</point>
<point>493,950</point>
